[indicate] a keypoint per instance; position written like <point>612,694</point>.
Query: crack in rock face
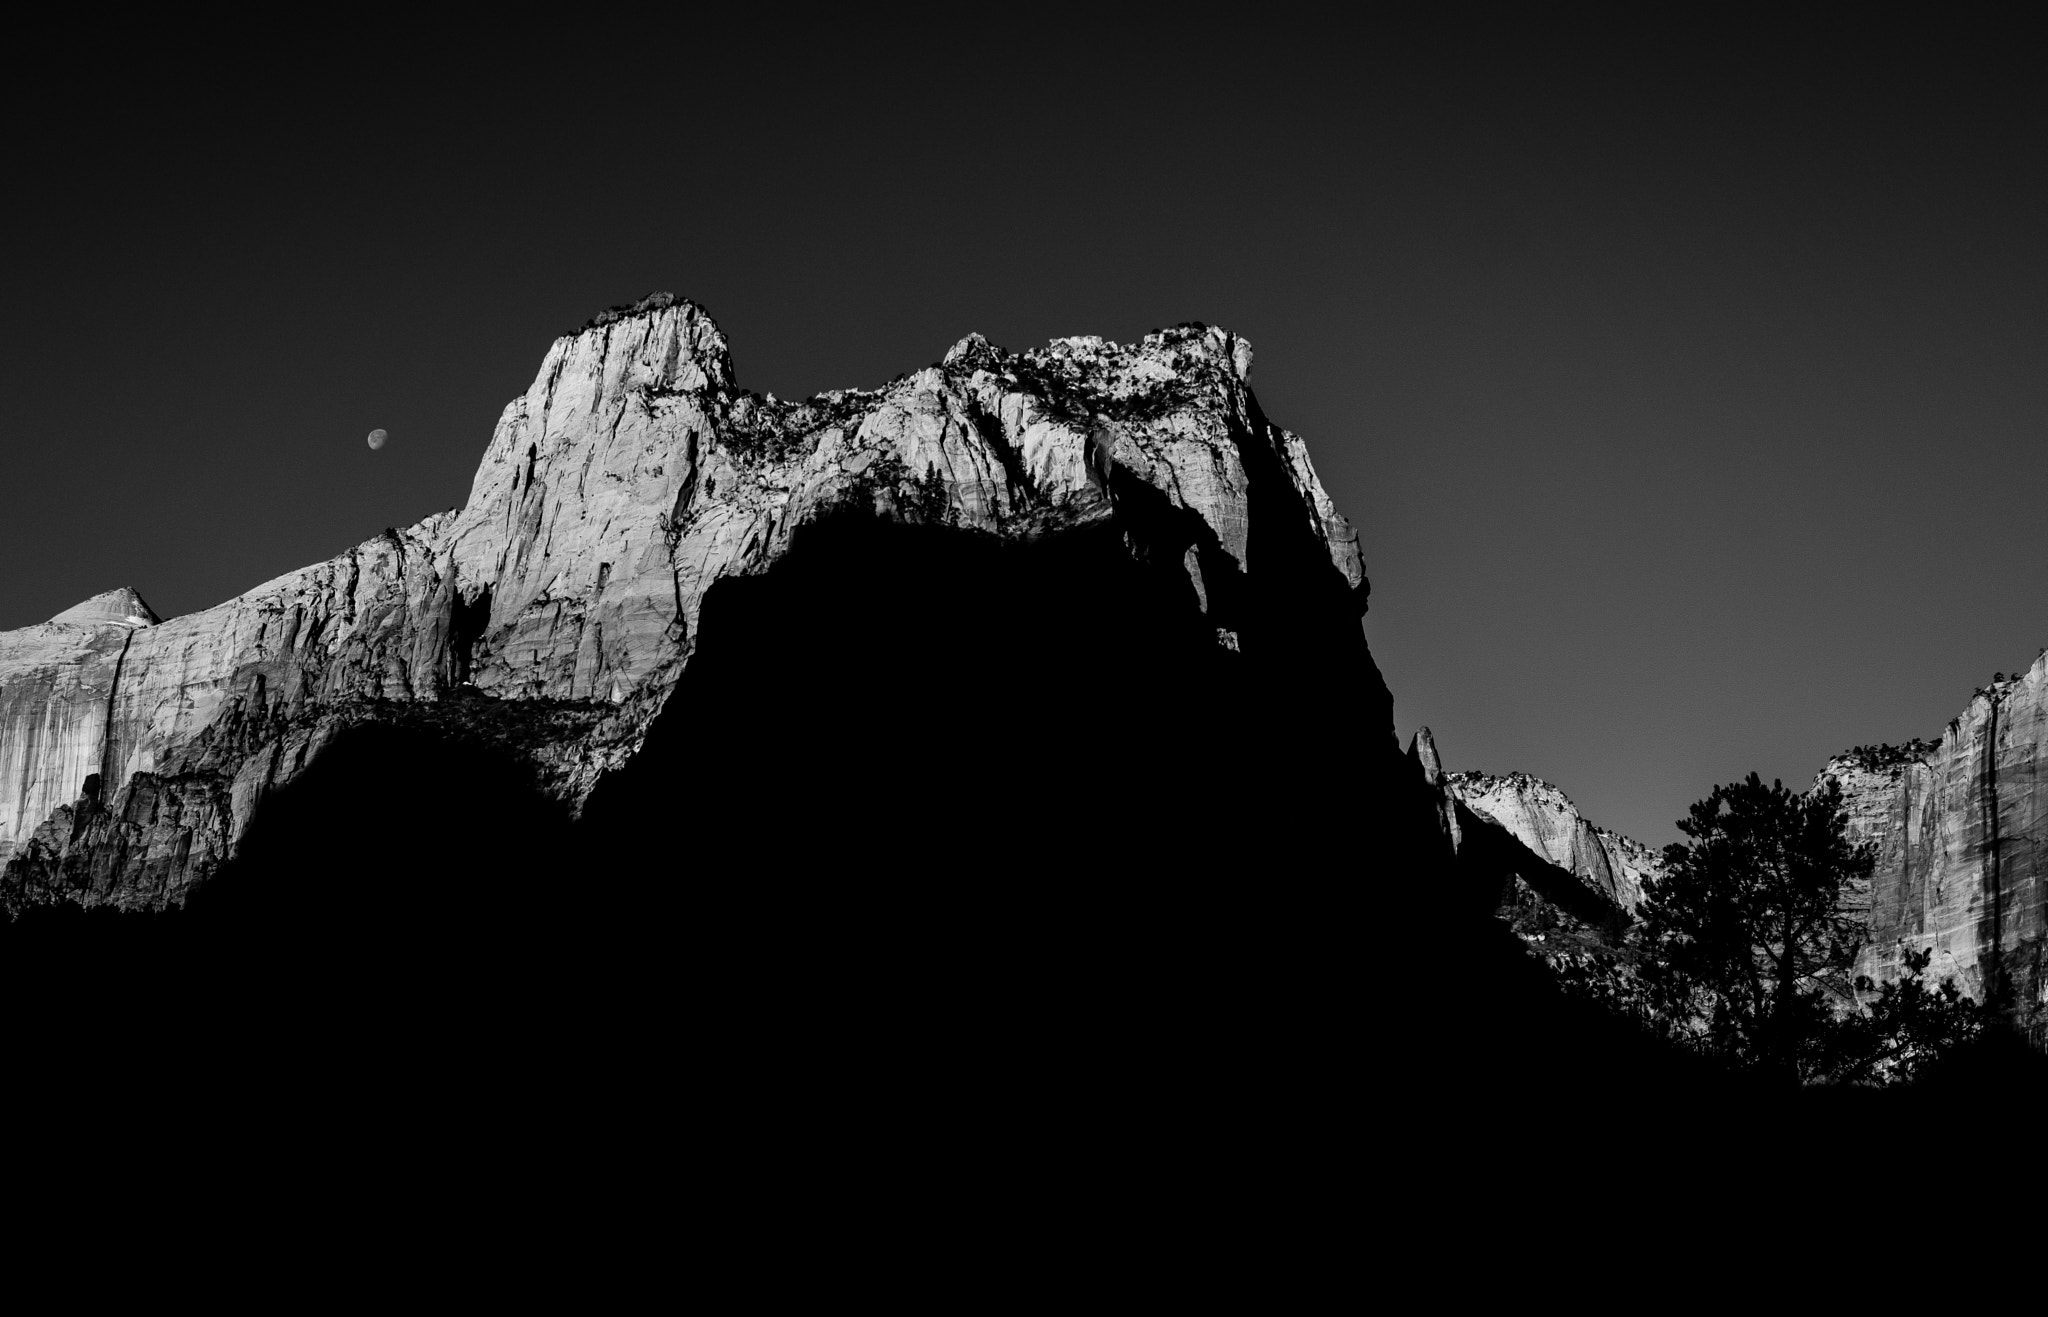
<point>554,612</point>
<point>1960,829</point>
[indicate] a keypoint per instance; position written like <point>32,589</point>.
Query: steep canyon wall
<point>1961,834</point>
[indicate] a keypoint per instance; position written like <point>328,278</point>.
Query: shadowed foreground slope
<point>927,799</point>
<point>937,833</point>
<point>924,803</point>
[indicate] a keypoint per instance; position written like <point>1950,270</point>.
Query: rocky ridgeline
<point>1543,818</point>
<point>554,612</point>
<point>1520,847</point>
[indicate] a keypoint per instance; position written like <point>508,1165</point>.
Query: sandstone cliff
<point>1542,819</point>
<point>554,613</point>
<point>54,698</point>
<point>1961,831</point>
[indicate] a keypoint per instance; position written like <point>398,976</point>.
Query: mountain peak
<point>648,305</point>
<point>630,478</point>
<point>122,607</point>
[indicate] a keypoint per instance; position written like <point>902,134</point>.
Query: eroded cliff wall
<point>1961,833</point>
<point>555,611</point>
<point>1543,820</point>
<point>54,695</point>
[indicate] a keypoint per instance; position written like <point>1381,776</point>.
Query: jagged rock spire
<point>1422,749</point>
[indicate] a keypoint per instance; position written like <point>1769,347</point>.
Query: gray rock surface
<point>55,684</point>
<point>1961,833</point>
<point>557,608</point>
<point>1542,818</point>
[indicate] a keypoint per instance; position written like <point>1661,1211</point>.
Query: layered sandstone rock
<point>554,612</point>
<point>55,683</point>
<point>1543,819</point>
<point>1961,834</point>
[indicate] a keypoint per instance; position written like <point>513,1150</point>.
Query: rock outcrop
<point>1961,833</point>
<point>1541,818</point>
<point>554,612</point>
<point>56,681</point>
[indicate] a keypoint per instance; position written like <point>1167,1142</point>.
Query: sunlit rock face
<point>1543,819</point>
<point>55,681</point>
<point>555,611</point>
<point>114,607</point>
<point>1961,834</point>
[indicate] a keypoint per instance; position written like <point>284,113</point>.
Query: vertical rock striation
<point>57,682</point>
<point>555,611</point>
<point>1961,834</point>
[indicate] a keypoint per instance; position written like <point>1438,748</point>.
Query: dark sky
<point>1686,387</point>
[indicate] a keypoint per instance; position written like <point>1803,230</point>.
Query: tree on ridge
<point>1748,947</point>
